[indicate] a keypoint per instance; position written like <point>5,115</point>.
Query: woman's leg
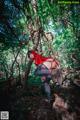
<point>47,90</point>
<point>57,77</point>
<point>46,86</point>
<point>45,74</point>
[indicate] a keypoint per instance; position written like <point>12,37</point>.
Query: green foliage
<point>61,20</point>
<point>34,80</point>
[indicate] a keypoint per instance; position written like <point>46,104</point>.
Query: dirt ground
<point>29,104</point>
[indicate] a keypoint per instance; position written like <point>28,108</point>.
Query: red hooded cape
<point>38,59</point>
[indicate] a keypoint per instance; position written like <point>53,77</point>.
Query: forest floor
<point>29,104</point>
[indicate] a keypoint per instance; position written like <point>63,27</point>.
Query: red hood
<point>38,59</point>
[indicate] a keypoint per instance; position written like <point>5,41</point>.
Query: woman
<point>44,69</point>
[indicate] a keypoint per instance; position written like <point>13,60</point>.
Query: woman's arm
<point>49,60</point>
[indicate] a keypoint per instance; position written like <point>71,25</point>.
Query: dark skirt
<point>42,70</point>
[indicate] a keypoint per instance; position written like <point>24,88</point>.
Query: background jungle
<point>49,27</point>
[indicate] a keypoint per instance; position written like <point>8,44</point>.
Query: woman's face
<point>31,56</point>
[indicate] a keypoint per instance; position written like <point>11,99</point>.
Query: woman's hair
<point>29,52</point>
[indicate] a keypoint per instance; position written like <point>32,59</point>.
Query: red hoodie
<point>38,59</point>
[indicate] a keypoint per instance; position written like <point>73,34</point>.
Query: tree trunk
<point>19,77</point>
<point>11,75</point>
<point>37,38</point>
<point>30,62</point>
